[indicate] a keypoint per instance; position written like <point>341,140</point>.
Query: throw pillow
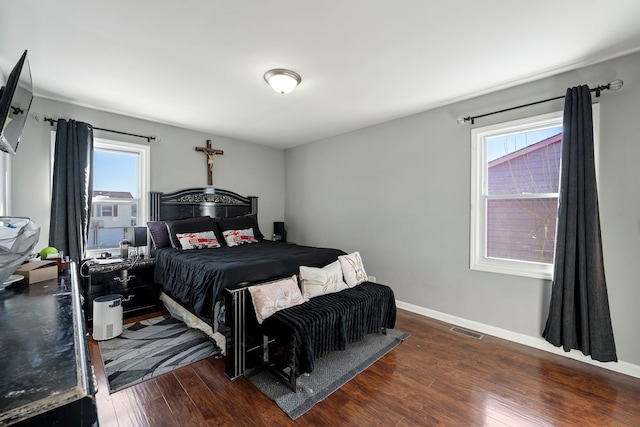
<point>320,281</point>
<point>352,269</point>
<point>239,237</point>
<point>189,225</point>
<point>201,240</point>
<point>272,297</point>
<point>241,223</point>
<point>159,234</point>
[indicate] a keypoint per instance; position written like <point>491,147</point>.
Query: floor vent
<point>467,332</point>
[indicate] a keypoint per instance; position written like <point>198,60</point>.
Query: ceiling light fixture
<point>281,80</point>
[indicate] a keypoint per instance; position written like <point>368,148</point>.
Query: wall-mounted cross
<point>210,152</point>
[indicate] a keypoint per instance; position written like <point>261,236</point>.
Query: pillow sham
<point>272,297</point>
<point>189,225</point>
<point>239,237</point>
<point>201,240</point>
<point>320,281</point>
<point>352,269</point>
<point>159,234</point>
<point>241,223</point>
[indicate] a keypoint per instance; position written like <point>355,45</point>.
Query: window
<point>120,187</point>
<point>104,210</point>
<point>5,181</point>
<point>515,173</point>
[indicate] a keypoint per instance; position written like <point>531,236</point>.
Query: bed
<point>196,278</point>
<point>212,282</point>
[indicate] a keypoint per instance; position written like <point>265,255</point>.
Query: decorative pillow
<point>189,225</point>
<point>239,237</point>
<point>320,281</point>
<point>256,230</point>
<point>201,240</point>
<point>241,223</point>
<point>275,296</point>
<point>159,234</point>
<point>352,269</point>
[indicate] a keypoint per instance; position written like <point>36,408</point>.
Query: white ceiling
<point>199,64</point>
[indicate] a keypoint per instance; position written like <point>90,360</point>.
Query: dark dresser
<point>133,279</point>
<point>46,378</point>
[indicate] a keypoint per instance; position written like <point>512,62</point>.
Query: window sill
<point>515,268</point>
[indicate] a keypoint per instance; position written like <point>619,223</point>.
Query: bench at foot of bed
<point>272,359</point>
<point>307,331</point>
<point>302,334</point>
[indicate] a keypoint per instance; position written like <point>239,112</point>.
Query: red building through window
<point>520,226</point>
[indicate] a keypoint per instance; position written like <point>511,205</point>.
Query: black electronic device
<point>15,100</point>
<point>280,234</point>
<point>139,237</point>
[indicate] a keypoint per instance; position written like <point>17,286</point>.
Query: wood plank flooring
<point>434,378</point>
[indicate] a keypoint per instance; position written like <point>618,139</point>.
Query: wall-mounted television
<point>15,100</point>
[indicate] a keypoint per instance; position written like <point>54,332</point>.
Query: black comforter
<point>195,277</point>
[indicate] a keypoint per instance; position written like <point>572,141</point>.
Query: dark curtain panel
<point>579,310</point>
<point>72,188</point>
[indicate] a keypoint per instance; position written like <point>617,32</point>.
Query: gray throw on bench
<point>329,322</point>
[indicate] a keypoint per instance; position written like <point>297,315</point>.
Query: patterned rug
<point>150,348</point>
<point>329,374</point>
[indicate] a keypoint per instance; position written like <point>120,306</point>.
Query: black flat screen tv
<point>15,100</point>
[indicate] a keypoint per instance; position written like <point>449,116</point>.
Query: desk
<point>45,374</point>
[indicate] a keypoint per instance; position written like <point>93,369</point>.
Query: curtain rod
<point>614,85</point>
<point>148,138</point>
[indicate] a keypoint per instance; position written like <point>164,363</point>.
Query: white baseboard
<point>538,343</point>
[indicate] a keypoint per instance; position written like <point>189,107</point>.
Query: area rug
<point>329,374</point>
<point>150,348</point>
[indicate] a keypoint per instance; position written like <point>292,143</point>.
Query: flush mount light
<point>282,80</point>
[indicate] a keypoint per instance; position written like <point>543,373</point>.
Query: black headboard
<point>192,202</point>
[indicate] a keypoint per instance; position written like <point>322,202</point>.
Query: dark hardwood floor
<point>434,378</point>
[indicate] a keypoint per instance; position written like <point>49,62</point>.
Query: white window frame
<point>144,175</point>
<point>478,259</point>
<point>5,184</point>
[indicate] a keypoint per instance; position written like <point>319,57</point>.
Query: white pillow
<point>201,240</point>
<point>275,296</point>
<point>352,269</point>
<point>319,281</point>
<point>239,237</point>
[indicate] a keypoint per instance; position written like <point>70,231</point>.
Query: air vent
<point>472,334</point>
<point>109,333</point>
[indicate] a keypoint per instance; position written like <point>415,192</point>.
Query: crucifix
<point>210,152</point>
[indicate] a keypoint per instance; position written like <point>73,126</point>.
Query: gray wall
<point>245,168</point>
<point>399,193</point>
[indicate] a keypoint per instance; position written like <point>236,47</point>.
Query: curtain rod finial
<point>616,84</point>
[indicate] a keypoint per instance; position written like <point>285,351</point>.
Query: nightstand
<point>131,279</point>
